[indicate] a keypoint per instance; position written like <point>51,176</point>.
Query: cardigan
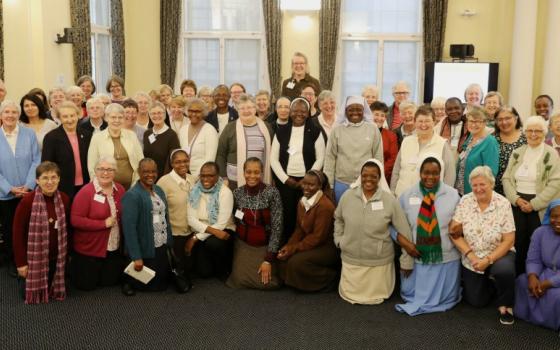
<point>102,145</point>
<point>227,148</point>
<point>212,117</point>
<point>447,199</point>
<point>548,178</point>
<point>18,169</point>
<point>295,91</point>
<point>348,147</point>
<point>361,230</point>
<point>88,217</point>
<point>178,199</point>
<point>487,153</point>
<point>21,226</point>
<point>57,148</point>
<point>202,149</point>
<point>138,227</point>
<point>390,151</point>
<point>85,125</point>
<point>314,227</point>
<point>161,148</point>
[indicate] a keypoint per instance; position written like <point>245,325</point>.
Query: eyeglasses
<point>475,122</point>
<point>504,119</point>
<point>401,92</point>
<point>533,131</point>
<point>105,170</point>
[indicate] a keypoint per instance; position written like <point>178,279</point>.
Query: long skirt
<point>366,284</point>
<point>311,270</point>
<point>431,288</point>
<point>246,262</point>
<point>544,311</point>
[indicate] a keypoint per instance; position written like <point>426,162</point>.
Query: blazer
<point>18,169</point>
<point>212,117</point>
<point>85,125</point>
<point>57,148</point>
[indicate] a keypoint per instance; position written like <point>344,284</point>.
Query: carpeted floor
<point>214,316</point>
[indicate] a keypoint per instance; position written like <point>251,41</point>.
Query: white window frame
<point>96,32</point>
<point>381,39</point>
<point>182,70</point>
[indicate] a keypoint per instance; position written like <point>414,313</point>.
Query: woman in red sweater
<point>97,239</point>
<point>40,237</point>
<point>390,142</point>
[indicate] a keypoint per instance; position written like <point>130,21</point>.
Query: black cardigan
<point>310,135</point>
<point>212,117</point>
<point>57,148</point>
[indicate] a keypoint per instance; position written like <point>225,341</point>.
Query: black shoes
<point>506,318</point>
<point>127,290</point>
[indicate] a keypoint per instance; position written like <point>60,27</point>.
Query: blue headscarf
<point>213,204</point>
<point>552,205</point>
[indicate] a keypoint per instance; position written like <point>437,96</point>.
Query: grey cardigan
<point>361,230</point>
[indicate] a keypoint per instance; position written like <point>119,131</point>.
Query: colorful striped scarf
<point>36,284</point>
<point>428,239</point>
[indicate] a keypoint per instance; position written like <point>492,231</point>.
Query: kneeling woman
<point>259,231</point>
<point>537,293</point>
<point>361,230</point>
<point>147,232</point>
<point>309,259</point>
<point>96,218</point>
<point>435,283</point>
<point>40,237</point>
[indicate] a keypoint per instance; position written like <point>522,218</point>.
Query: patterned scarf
<point>213,202</point>
<point>428,239</point>
<point>36,284</point>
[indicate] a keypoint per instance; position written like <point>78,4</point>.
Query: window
<point>380,44</point>
<point>223,42</point>
<point>101,65</point>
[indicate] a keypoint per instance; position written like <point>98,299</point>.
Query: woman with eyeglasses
<point>531,181</point>
<point>479,148</point>
<point>510,136</point>
<point>118,142</point>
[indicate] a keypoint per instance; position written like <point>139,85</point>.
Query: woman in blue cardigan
<point>479,148</point>
<point>19,156</point>
<point>147,232</point>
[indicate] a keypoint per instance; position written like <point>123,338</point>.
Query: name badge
<point>156,219</point>
<point>377,205</point>
<point>152,138</point>
<point>290,85</point>
<point>99,198</point>
<point>292,151</point>
<point>523,172</point>
<point>239,214</point>
<point>414,201</point>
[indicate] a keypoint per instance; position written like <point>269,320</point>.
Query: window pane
<point>202,60</point>
<point>103,61</point>
<point>242,63</point>
<point>216,15</point>
<point>100,13</point>
<point>359,67</point>
<point>381,16</point>
<point>400,62</point>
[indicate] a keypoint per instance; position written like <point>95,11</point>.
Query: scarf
<point>445,132</point>
<point>428,239</point>
<point>242,151</point>
<point>36,284</point>
<point>213,204</point>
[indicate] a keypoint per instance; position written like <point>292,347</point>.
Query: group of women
<point>263,199</point>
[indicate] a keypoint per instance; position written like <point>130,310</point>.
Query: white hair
<point>536,120</point>
<point>114,108</point>
<point>106,159</point>
<point>325,95</point>
<point>438,102</point>
<point>370,87</point>
<point>92,101</point>
<point>407,105</point>
<point>73,89</point>
<point>482,171</point>
<point>10,103</point>
<point>475,86</point>
<point>400,82</point>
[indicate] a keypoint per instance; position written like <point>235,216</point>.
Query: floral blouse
<point>506,149</point>
<point>483,230</point>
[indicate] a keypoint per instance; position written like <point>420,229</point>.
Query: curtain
<point>117,33</point>
<point>329,21</point>
<point>434,17</point>
<point>81,36</point>
<point>170,19</point>
<point>273,27</point>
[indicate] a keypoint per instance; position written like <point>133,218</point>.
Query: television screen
<point>448,79</point>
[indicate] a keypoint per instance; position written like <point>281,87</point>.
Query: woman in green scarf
<point>434,284</point>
